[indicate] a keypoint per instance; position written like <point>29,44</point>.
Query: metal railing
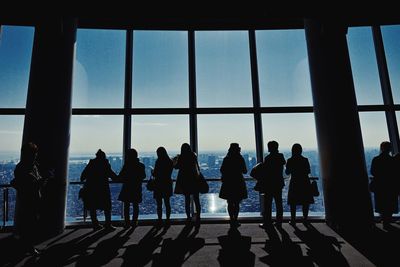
<point>6,187</point>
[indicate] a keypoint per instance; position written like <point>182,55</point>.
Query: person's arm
<point>85,171</point>
<point>288,169</point>
<point>244,167</point>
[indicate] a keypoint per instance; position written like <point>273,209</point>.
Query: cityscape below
<point>211,204</point>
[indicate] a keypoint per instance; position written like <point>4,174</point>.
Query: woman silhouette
<point>97,190</point>
<point>233,187</point>
<point>28,183</point>
<point>131,176</point>
<point>298,167</point>
<point>163,190</point>
<point>187,180</point>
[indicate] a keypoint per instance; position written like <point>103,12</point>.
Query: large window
<point>99,69</point>
<point>391,41</point>
<point>160,69</point>
<point>223,77</point>
<point>364,66</point>
<point>16,44</point>
<point>283,68</point>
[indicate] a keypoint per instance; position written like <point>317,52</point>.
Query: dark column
<point>48,113</point>
<point>345,180</point>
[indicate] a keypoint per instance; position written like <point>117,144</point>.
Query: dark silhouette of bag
<point>256,174</point>
<point>372,185</point>
<point>203,185</point>
<point>314,189</point>
<point>151,184</point>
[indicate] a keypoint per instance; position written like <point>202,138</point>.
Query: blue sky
<point>160,79</point>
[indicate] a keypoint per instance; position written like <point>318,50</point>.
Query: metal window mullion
<point>192,99</point>
<point>128,92</point>
<point>386,88</point>
<point>256,96</point>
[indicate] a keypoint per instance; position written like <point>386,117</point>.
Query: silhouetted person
<point>131,176</point>
<point>233,187</point>
<point>187,179</point>
<point>386,191</point>
<point>97,194</point>
<point>272,183</point>
<point>163,190</point>
<point>28,183</point>
<point>299,192</point>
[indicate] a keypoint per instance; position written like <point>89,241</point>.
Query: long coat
<point>96,188</point>
<point>187,179</point>
<point>27,182</point>
<point>233,185</point>
<point>386,192</point>
<point>299,188</point>
<point>162,175</point>
<point>131,176</point>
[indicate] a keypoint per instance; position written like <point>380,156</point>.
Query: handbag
<point>203,185</point>
<point>372,185</point>
<point>314,189</point>
<point>151,184</point>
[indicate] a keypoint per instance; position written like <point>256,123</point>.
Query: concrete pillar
<point>48,113</point>
<point>344,174</point>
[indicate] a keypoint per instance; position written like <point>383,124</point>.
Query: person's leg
<point>93,218</point>
<point>159,208</point>
<point>187,207</point>
<point>306,208</point>
<point>279,206</point>
<point>236,212</point>
<point>107,215</point>
<point>292,214</point>
<point>231,211</point>
<point>167,208</point>
<point>135,214</point>
<point>196,199</point>
<point>126,214</point>
<point>267,216</point>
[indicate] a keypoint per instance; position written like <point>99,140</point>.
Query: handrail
<point>5,187</point>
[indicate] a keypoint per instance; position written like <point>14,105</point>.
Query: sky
<point>223,79</point>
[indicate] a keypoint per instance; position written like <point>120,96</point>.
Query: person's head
<point>29,152</point>
<point>162,152</point>
<point>100,154</point>
<point>234,148</point>
<point>385,147</point>
<point>297,149</point>
<point>131,154</point>
<point>185,149</point>
<point>272,146</point>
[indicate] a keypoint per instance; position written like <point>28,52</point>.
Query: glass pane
<point>283,68</point>
<point>16,44</point>
<point>216,132</point>
<point>99,69</point>
<point>364,66</point>
<point>374,131</point>
<point>10,144</point>
<point>391,41</point>
<point>160,69</point>
<point>152,131</point>
<point>288,129</point>
<point>148,133</point>
<point>88,134</point>
<point>223,69</point>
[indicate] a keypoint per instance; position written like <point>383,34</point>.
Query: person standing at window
<point>386,190</point>
<point>272,183</point>
<point>131,176</point>
<point>187,180</point>
<point>298,167</point>
<point>97,194</point>
<point>28,183</point>
<point>163,190</point>
<point>233,187</point>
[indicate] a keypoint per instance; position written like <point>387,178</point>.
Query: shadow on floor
<point>235,249</point>
<point>174,252</point>
<point>380,246</point>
